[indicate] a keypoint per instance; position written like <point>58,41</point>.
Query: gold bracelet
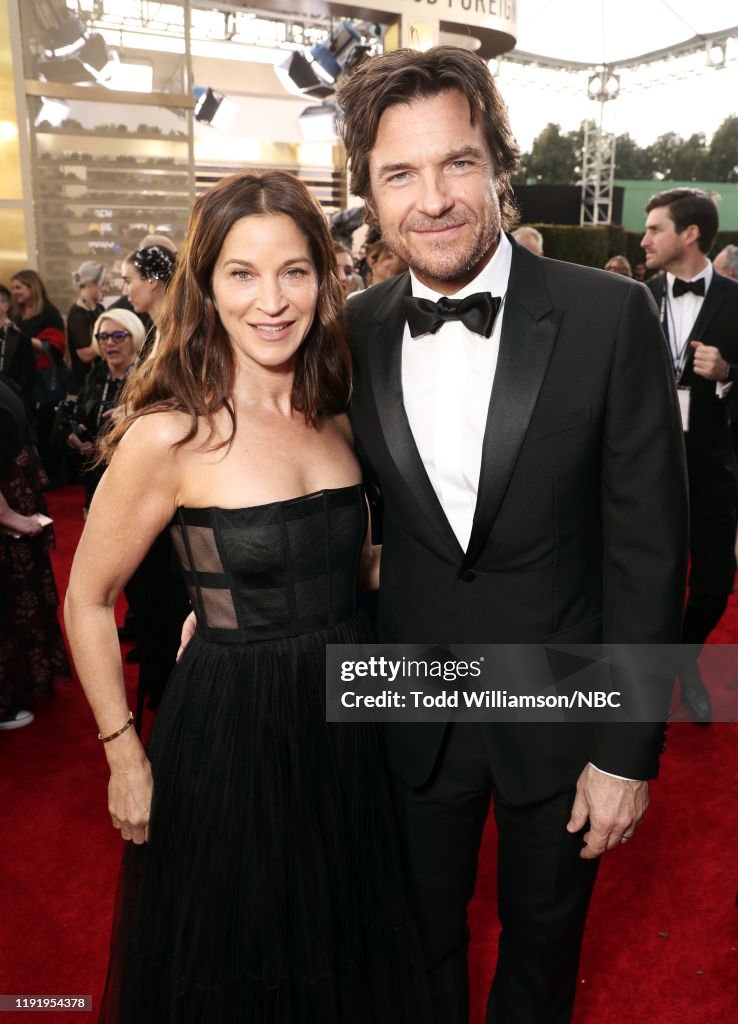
<point>115,735</point>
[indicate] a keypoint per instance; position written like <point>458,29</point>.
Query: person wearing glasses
<point>118,341</point>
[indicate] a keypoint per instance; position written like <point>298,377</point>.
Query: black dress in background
<point>80,321</point>
<point>32,652</point>
<point>18,364</point>
<point>270,891</point>
<point>50,383</point>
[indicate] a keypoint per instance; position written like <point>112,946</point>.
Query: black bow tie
<point>477,313</point>
<point>681,287</point>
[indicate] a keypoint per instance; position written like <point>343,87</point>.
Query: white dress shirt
<point>681,315</point>
<point>447,382</point>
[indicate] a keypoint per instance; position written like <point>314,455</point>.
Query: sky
<point>684,96</point>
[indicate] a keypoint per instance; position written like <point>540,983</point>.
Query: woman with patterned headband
<point>146,273</point>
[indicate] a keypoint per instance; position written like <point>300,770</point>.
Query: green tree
<point>631,161</point>
<point>690,159</point>
<point>554,156</point>
<point>660,155</point>
<point>722,158</point>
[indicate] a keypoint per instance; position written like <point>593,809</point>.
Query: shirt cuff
<point>612,776</point>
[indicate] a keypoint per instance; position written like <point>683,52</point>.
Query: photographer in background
<point>118,339</point>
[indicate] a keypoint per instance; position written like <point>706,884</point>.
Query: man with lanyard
<point>699,315</point>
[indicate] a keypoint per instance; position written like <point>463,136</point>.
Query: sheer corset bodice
<point>276,570</point>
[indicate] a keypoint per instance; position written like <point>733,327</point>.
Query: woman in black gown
<point>39,321</point>
<point>261,883</point>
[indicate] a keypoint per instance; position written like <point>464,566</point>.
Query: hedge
<point>593,246</point>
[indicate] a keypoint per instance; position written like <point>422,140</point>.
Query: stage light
<point>94,54</point>
<point>53,111</point>
<point>318,123</point>
<point>603,86</point>
<point>297,76</point>
<point>343,49</point>
<point>66,39</point>
<point>214,108</point>
<point>314,72</point>
<point>333,54</point>
<point>68,70</point>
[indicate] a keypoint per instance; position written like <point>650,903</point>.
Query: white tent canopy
<point>612,31</point>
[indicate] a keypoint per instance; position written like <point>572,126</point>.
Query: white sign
<point>493,22</point>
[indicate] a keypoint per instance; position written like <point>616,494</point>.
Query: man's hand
<point>708,362</point>
<point>189,627</point>
<point>614,808</point>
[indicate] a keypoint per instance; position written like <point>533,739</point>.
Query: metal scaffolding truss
<point>598,175</point>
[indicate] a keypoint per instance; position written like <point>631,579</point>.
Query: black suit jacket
<point>710,457</point>
<point>579,532</point>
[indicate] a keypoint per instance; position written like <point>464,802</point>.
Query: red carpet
<point>662,937</point>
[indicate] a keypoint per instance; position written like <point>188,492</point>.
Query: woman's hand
<point>79,446</point>
<point>19,526</point>
<point>369,566</point>
<point>129,799</point>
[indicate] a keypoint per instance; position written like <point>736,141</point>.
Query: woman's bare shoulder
<point>156,432</point>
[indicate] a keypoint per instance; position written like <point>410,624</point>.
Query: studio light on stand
<point>314,73</point>
<point>72,56</point>
<point>94,54</point>
<point>297,76</point>
<point>338,53</point>
<point>68,70</point>
<point>214,108</point>
<point>65,39</point>
<point>318,123</point>
<point>52,111</point>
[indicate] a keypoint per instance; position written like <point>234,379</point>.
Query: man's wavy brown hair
<point>405,76</point>
<point>194,367</point>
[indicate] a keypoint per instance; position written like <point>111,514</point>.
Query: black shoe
<point>696,700</point>
<point>133,657</point>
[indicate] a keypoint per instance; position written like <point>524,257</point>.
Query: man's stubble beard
<point>445,265</point>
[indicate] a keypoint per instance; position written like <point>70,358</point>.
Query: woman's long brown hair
<point>39,295</point>
<point>194,367</point>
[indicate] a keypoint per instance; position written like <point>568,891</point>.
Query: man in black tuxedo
<point>527,447</point>
<point>699,314</point>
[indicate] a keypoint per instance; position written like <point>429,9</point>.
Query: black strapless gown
<point>270,891</point>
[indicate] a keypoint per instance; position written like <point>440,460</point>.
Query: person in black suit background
<point>699,314</point>
<point>519,417</point>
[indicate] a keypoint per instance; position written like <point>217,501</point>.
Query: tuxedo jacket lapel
<point>529,329</point>
<point>710,306</point>
<point>384,355</point>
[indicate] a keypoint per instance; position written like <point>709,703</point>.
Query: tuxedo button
<point>467,575</point>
